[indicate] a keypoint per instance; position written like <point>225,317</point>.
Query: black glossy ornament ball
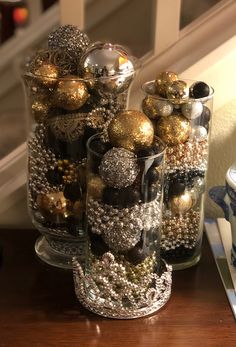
<point>199,90</point>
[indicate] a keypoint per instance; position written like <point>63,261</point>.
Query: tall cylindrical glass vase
<point>124,276</point>
<point>181,113</point>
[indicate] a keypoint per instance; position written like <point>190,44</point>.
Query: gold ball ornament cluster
<point>131,130</point>
<point>174,129</point>
<point>69,171</point>
<point>71,93</point>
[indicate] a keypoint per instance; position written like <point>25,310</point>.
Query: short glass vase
<point>124,276</point>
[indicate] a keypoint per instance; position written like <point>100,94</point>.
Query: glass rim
<point>159,97</point>
<point>71,77</point>
<point>154,156</point>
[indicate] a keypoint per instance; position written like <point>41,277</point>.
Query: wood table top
<point>38,306</point>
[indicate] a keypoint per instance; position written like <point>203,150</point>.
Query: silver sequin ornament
<point>119,168</point>
<point>69,38</point>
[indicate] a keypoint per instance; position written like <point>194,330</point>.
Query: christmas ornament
<point>69,38</point>
<point>199,90</point>
<point>40,110</point>
<point>154,108</point>
<point>46,74</point>
<point>73,191</point>
<point>118,168</point>
<point>71,93</point>
<point>95,187</point>
<point>163,80</point>
<point>53,205</point>
<point>174,129</point>
<point>131,130</point>
<point>177,92</point>
<point>192,109</point>
<point>136,255</point>
<point>199,133</point>
<point>110,65</point>
<point>180,204</point>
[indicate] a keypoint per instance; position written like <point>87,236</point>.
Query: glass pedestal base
<point>59,253</point>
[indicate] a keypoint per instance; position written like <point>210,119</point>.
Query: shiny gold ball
<point>174,129</point>
<point>95,187</point>
<point>70,93</point>
<point>46,74</point>
<point>181,204</point>
<point>53,205</point>
<point>40,110</point>
<point>149,106</point>
<point>178,92</point>
<point>131,130</point>
<point>163,80</point>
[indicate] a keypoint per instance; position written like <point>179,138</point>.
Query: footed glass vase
<point>181,113</point>
<point>124,276</point>
<point>64,111</point>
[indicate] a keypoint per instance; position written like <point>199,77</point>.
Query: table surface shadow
<point>38,306</point>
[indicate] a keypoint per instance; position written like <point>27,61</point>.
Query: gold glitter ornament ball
<point>149,106</point>
<point>71,93</point>
<point>39,110</point>
<point>178,92</point>
<point>163,80</point>
<point>131,130</point>
<point>53,205</point>
<point>95,187</point>
<point>181,204</point>
<point>174,129</point>
<point>46,74</point>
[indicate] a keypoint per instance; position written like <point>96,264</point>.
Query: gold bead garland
<point>187,156</point>
<point>180,230</point>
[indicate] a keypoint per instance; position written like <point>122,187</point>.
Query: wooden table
<point>38,307</point>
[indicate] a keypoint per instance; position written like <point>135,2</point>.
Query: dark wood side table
<point>38,307</point>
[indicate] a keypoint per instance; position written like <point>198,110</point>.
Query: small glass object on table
<point>124,276</point>
<point>181,113</point>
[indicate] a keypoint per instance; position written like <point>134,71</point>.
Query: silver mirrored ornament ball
<point>199,133</point>
<point>192,109</point>
<point>110,65</point>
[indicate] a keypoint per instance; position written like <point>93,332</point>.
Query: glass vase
<point>63,113</point>
<point>124,276</point>
<point>183,123</point>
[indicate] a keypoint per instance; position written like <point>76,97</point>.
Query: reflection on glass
<point>192,9</point>
<point>129,23</point>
